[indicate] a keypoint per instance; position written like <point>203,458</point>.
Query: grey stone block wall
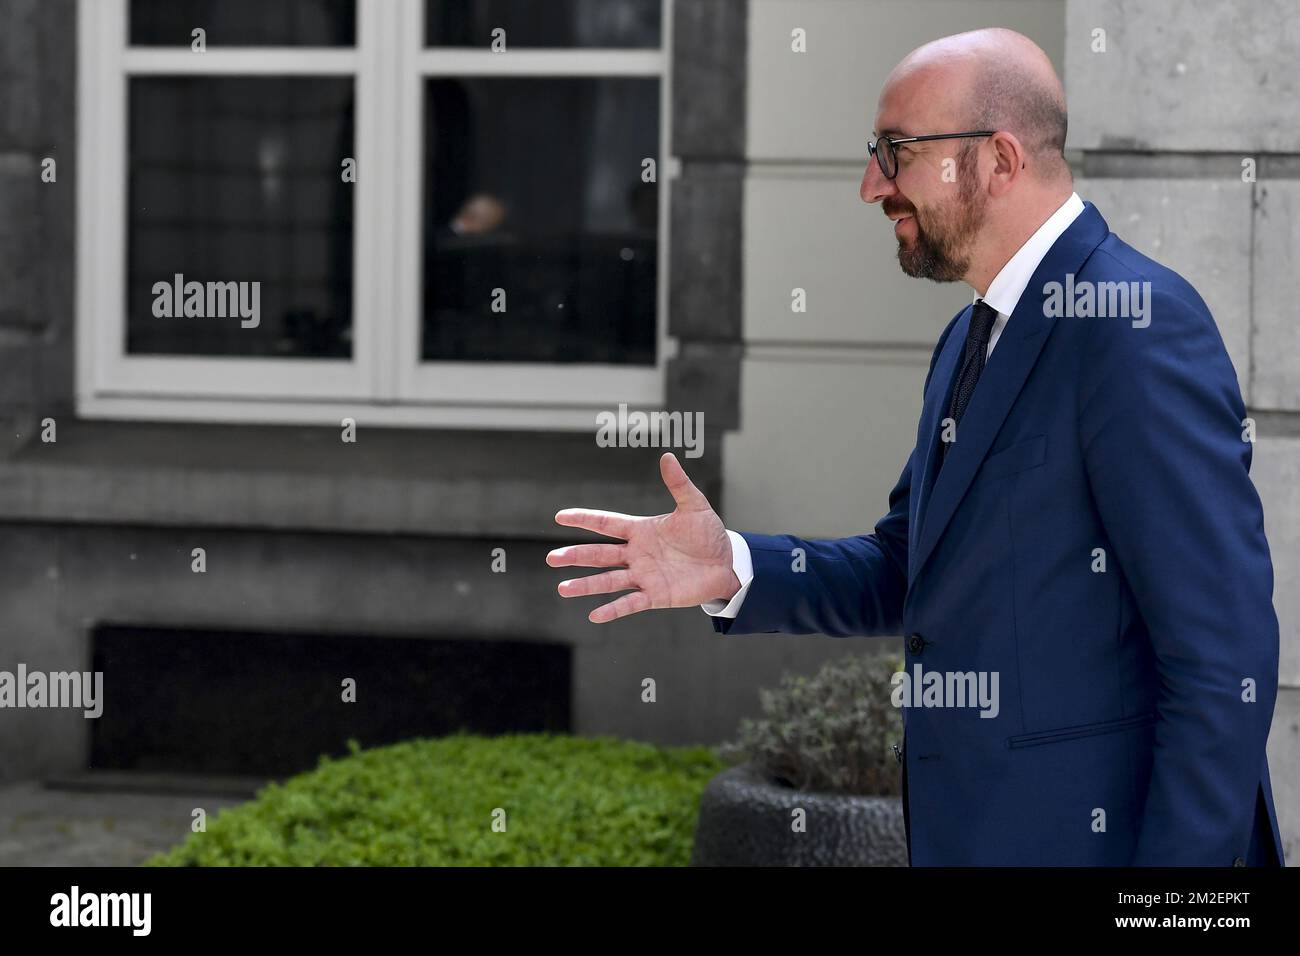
<point>708,137</point>
<point>37,80</point>
<point>1185,101</point>
<point>1184,76</point>
<point>59,580</point>
<point>1275,290</point>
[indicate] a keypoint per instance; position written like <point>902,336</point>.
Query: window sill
<point>455,483</point>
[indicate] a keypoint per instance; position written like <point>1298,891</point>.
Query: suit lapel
<point>1003,377</point>
<point>934,408</point>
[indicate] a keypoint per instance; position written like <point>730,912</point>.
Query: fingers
<point>609,523</point>
<point>632,603</point>
<point>606,583</point>
<point>679,486</point>
<point>588,556</point>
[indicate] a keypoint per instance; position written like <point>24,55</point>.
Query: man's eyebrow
<point>892,133</point>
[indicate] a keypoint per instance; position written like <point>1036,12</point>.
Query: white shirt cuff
<point>743,564</point>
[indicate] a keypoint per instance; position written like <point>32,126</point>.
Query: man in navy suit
<point>1076,529</point>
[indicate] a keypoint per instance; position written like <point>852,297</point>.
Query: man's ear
<point>1009,162</point>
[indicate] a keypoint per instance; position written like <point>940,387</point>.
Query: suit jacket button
<point>915,643</point>
<point>1238,862</point>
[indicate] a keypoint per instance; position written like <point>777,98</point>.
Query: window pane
<point>238,180</point>
<point>534,186</point>
<point>544,23</point>
<point>244,22</point>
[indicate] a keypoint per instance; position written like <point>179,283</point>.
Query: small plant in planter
<point>817,781</point>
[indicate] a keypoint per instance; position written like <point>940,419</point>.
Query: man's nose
<point>875,186</point>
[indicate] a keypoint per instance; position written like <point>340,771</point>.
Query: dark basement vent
<point>258,704</point>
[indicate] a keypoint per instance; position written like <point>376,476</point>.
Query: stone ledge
<point>447,483</point>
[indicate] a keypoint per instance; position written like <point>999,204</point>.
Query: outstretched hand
<point>669,560</point>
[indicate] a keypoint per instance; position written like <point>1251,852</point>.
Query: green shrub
<point>831,732</point>
<point>581,801</point>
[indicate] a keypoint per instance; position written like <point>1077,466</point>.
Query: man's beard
<point>941,250</point>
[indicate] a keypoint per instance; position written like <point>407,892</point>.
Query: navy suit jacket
<point>1135,701</point>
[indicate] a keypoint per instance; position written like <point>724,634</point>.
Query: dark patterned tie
<point>982,318</point>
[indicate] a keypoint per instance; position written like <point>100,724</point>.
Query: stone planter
<point>745,820</point>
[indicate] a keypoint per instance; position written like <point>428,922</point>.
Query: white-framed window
<point>443,205</point>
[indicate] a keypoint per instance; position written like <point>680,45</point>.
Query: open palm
<point>669,560</point>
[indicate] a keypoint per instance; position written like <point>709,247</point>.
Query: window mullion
<point>407,196</point>
<point>368,307</point>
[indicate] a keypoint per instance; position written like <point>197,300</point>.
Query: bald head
<point>994,79</point>
<point>963,204</point>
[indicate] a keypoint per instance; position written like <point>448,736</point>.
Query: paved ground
<point>104,820</point>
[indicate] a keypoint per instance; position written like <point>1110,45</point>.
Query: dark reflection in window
<point>534,186</point>
<point>544,23</point>
<point>245,22</point>
<point>239,180</point>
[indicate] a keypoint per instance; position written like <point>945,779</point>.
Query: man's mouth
<point>902,224</point>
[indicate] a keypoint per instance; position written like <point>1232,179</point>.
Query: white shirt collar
<point>1009,284</point>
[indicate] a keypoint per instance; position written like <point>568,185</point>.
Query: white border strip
<point>453,61</point>
<point>523,417</point>
<point>263,61</point>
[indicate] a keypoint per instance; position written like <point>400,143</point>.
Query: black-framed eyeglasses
<point>883,147</point>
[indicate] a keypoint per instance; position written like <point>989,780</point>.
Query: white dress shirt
<point>1003,294</point>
